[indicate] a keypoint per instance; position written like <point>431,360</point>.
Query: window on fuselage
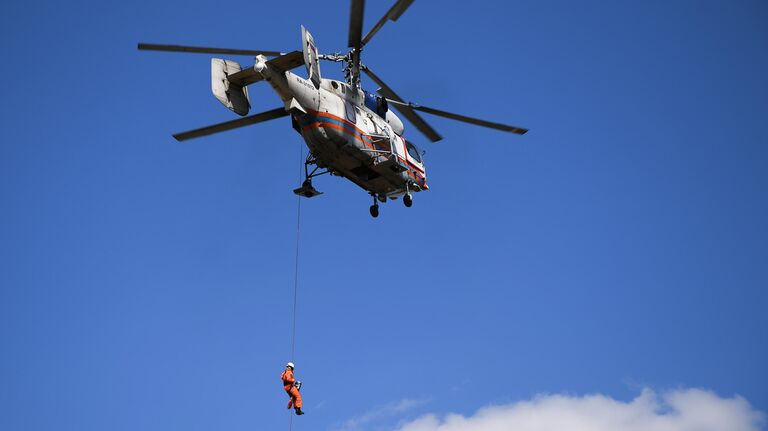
<point>413,151</point>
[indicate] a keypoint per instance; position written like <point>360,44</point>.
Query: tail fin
<point>233,96</point>
<point>311,59</point>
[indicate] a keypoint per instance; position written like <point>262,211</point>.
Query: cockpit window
<point>335,85</point>
<point>413,151</point>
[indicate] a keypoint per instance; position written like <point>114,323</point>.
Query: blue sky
<point>622,244</point>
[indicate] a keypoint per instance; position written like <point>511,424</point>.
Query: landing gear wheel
<point>407,201</point>
<point>374,211</point>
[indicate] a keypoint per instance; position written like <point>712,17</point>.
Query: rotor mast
<point>352,69</point>
<point>356,39</point>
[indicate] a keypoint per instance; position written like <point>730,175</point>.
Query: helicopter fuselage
<point>349,132</point>
<point>347,137</point>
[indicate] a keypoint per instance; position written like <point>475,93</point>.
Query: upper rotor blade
<point>393,14</point>
<point>464,118</point>
<point>204,50</point>
<point>404,108</point>
<point>234,124</point>
<point>356,23</point>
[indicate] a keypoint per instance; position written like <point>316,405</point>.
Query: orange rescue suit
<point>288,382</point>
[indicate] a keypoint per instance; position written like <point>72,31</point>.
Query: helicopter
<point>350,132</point>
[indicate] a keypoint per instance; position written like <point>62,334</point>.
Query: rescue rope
<point>296,276</point>
<point>296,271</point>
<point>296,257</point>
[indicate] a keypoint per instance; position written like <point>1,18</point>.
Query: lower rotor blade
<point>229,125</point>
<point>204,50</point>
<point>404,108</point>
<point>464,118</point>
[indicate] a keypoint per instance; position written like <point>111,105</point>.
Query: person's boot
<point>298,411</point>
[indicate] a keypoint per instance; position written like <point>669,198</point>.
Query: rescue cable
<point>296,270</point>
<point>296,260</point>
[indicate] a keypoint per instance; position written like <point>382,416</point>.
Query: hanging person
<point>291,386</point>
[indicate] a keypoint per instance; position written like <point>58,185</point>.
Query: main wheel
<point>407,200</point>
<point>374,211</point>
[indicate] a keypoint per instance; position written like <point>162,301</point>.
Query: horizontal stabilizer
<point>288,61</point>
<point>245,77</point>
<point>281,64</point>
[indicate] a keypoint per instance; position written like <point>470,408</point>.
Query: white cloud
<point>680,410</point>
<point>357,423</point>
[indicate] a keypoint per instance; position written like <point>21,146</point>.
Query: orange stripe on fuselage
<point>343,120</point>
<point>317,125</point>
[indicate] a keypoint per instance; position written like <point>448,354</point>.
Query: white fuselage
<point>347,137</point>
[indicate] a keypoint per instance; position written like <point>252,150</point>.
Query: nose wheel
<point>408,200</point>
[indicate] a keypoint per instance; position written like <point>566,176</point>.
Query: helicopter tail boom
<point>229,81</point>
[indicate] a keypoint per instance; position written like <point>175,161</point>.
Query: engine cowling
<point>376,104</point>
<point>380,106</point>
<point>394,122</point>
